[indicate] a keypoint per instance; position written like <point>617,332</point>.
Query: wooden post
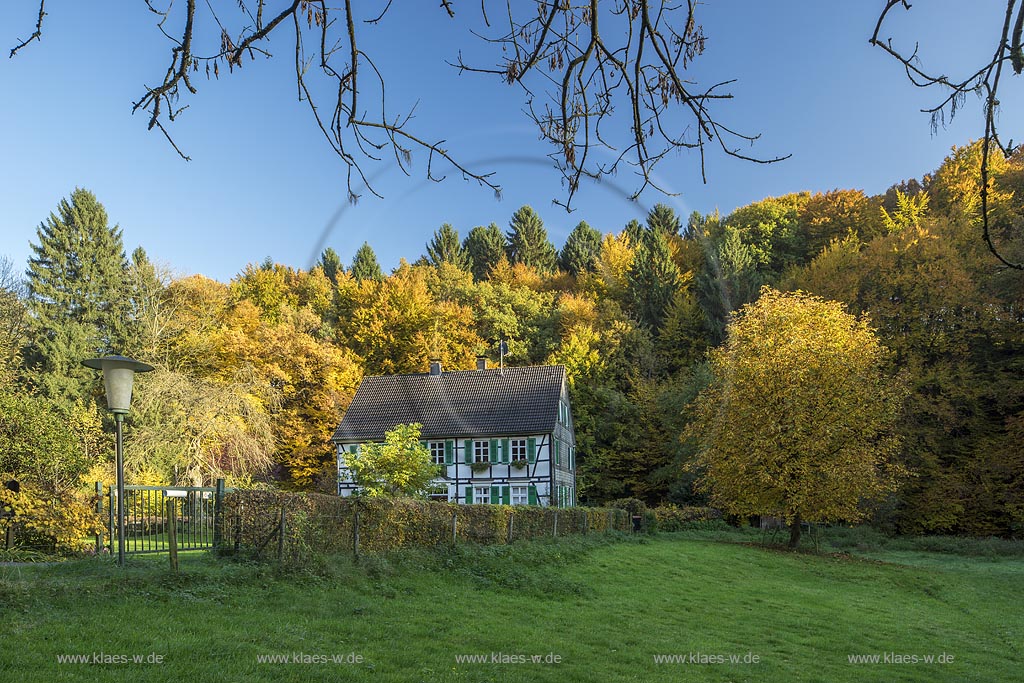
<point>355,535</point>
<point>172,533</point>
<point>455,526</point>
<point>110,519</point>
<point>99,513</point>
<point>280,535</point>
<point>554,530</point>
<point>9,540</point>
<point>511,517</point>
<point>218,515</point>
<point>238,526</point>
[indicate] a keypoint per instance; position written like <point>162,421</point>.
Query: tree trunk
<point>794,532</point>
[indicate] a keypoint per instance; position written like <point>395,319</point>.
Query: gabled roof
<point>462,403</point>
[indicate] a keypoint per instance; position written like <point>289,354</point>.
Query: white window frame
<point>435,491</point>
<point>522,498</point>
<point>482,451</point>
<point>482,495</point>
<point>517,449</point>
<point>436,452</point>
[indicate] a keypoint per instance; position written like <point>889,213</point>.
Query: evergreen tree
<point>446,248</point>
<point>582,249</point>
<point>653,280</point>
<point>364,264</point>
<point>78,301</point>
<point>528,241</point>
<point>663,219</point>
<point>331,263</point>
<point>485,246</point>
<point>634,231</point>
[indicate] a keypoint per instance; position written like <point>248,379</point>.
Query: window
<point>518,448</point>
<point>481,451</point>
<point>439,491</point>
<point>520,495</point>
<point>482,494</point>
<point>437,452</point>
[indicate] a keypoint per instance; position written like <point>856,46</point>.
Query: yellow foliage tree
<point>800,421</point>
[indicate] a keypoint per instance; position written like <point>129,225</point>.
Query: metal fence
<point>197,512</point>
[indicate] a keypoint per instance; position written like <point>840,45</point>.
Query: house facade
<point>501,436</point>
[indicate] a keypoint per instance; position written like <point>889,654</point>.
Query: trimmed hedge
<point>672,518</point>
<point>317,524</point>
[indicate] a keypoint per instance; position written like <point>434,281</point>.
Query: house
<point>502,436</point>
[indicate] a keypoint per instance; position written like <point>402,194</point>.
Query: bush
<point>673,518</point>
<point>47,523</point>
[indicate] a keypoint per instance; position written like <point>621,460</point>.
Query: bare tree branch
<point>36,35</point>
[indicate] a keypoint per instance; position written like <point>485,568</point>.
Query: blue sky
<point>262,182</point>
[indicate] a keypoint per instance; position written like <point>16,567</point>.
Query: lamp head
<point>118,373</point>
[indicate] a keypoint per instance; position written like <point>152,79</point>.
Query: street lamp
<point>118,373</point>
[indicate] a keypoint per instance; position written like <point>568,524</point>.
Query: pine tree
<point>364,264</point>
<point>446,248</point>
<point>78,301</point>
<point>634,231</point>
<point>528,241</point>
<point>653,280</point>
<point>582,249</point>
<point>663,219</point>
<point>331,263</point>
<point>485,246</point>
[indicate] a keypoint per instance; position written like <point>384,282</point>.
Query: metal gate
<point>197,512</point>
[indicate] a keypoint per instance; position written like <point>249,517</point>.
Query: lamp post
<point>118,373</point>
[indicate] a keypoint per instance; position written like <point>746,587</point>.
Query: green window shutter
<point>558,452</point>
<point>469,451</point>
<point>495,494</point>
<point>469,495</point>
<point>353,449</point>
<point>505,449</point>
<point>506,495</point>
<point>531,495</point>
<point>531,449</point>
<point>493,452</point>
<point>449,452</point>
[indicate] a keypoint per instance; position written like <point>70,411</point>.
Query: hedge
<point>317,524</point>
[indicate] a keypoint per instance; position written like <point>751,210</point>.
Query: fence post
<point>611,521</point>
<point>238,526</point>
<point>355,535</point>
<point>99,514</point>
<point>110,518</point>
<point>554,529</point>
<point>280,535</point>
<point>218,515</point>
<point>455,526</point>
<point>511,517</point>
<point>172,533</point>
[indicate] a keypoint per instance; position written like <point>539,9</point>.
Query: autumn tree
<point>800,421</point>
<point>401,466</point>
<point>444,247</point>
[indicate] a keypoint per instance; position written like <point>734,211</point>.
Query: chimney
<point>481,362</point>
<point>435,367</point>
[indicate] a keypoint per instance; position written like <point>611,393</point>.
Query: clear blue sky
<point>262,182</point>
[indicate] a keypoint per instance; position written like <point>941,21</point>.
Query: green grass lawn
<point>605,607</point>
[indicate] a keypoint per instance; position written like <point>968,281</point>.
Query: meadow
<point>710,605</point>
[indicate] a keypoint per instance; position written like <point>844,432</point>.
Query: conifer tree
<point>331,263</point>
<point>485,246</point>
<point>78,301</point>
<point>663,219</point>
<point>528,241</point>
<point>582,249</point>
<point>445,247</point>
<point>365,265</point>
<point>653,280</point>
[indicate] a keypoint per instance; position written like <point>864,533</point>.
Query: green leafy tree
<point>365,265</point>
<point>400,466</point>
<point>13,321</point>
<point>582,249</point>
<point>800,421</point>
<point>78,302</point>
<point>445,247</point>
<point>528,241</point>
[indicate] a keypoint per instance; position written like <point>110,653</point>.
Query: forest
<point>253,375</point>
